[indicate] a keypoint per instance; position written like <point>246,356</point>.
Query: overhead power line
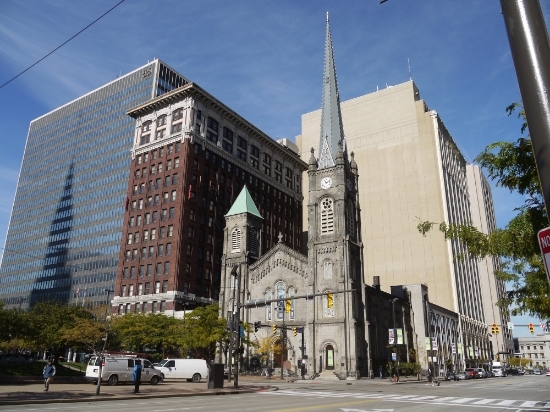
<point>64,43</point>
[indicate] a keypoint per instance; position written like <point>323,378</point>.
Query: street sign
<point>544,244</point>
<point>510,325</point>
<point>453,348</point>
<point>394,356</point>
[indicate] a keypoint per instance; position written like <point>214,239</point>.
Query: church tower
<point>242,247</point>
<point>334,245</point>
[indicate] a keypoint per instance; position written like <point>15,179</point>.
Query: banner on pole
<point>399,336</point>
<point>391,336</point>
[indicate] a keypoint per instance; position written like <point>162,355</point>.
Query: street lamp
<point>101,355</point>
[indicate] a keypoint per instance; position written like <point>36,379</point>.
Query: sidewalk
<point>63,391</point>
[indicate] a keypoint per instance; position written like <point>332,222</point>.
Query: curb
<point>128,397</point>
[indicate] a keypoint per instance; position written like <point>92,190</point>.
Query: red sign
<point>544,243</point>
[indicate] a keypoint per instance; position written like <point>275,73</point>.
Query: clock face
<point>326,182</point>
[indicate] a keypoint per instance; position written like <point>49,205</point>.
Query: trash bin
<point>215,378</point>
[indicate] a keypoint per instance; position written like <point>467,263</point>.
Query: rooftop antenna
<point>410,74</point>
<point>327,16</point>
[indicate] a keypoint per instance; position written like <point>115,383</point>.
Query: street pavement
<point>529,393</point>
<point>65,391</point>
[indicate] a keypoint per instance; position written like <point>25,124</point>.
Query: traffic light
<point>295,331</point>
<point>274,328</point>
<point>257,326</point>
<point>330,300</point>
<point>497,329</point>
<point>531,328</point>
<point>494,329</point>
<point>288,306</point>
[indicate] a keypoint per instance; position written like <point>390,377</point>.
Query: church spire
<point>332,131</point>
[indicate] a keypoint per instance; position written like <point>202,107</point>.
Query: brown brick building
<point>191,157</point>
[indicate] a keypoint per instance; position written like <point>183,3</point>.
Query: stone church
<point>333,320</point>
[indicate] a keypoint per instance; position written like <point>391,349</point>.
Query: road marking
<point>528,404</point>
<point>316,407</point>
<point>446,399</point>
<point>485,401</point>
<point>506,403</point>
<point>463,400</point>
<point>425,398</point>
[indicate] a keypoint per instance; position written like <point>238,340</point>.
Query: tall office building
<point>64,234</point>
<point>411,169</point>
<point>191,157</point>
<point>493,289</point>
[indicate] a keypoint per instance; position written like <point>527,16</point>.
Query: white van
<point>191,369</point>
<point>120,369</point>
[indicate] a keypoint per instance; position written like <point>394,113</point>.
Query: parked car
<point>537,372</point>
<point>451,376</point>
<point>120,369</point>
<point>473,373</point>
<point>463,375</point>
<point>190,369</point>
<point>498,371</point>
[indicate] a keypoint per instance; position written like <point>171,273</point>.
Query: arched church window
<point>291,293</point>
<point>327,269</point>
<point>328,312</point>
<point>268,307</point>
<point>235,240</point>
<point>350,219</point>
<point>253,242</point>
<point>280,289</point>
<point>327,216</point>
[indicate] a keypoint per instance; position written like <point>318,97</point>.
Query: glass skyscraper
<point>64,234</point>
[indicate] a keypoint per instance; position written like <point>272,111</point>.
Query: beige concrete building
<point>411,170</point>
<point>493,289</point>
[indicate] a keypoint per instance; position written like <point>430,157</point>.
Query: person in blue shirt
<point>48,373</point>
<point>136,376</point>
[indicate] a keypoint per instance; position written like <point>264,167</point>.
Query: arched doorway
<point>329,358</point>
<point>279,357</point>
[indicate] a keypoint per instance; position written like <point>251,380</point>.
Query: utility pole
<point>102,354</point>
<point>530,49</point>
<point>283,343</point>
<point>236,271</point>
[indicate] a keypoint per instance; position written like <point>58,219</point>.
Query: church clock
<point>326,182</point>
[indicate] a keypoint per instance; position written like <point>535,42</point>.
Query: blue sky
<point>264,59</point>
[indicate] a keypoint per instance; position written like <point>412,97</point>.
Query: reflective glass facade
<point>64,234</point>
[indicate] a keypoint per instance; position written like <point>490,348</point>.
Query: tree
<point>511,165</point>
<point>86,332</point>
<point>137,331</point>
<point>203,328</point>
<point>267,347</point>
<point>13,329</point>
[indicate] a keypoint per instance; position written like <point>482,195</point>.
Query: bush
<point>34,369</point>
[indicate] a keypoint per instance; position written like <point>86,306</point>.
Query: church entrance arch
<point>329,358</point>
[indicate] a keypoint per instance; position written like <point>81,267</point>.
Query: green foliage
<point>35,369</point>
<point>137,331</point>
<point>511,165</point>
<point>203,328</point>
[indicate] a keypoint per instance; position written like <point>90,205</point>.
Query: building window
<point>140,289</point>
<point>280,289</point>
<point>161,121</point>
<point>173,197</point>
<point>160,250</point>
<point>149,270</point>
<point>153,234</point>
<point>268,308</point>
<point>166,268</point>
<point>192,215</point>
<point>188,269</point>
<point>123,290</point>
<point>163,214</point>
<point>327,216</point>
<point>165,286</point>
<point>126,273</point>
<point>151,251</point>
<point>189,250</point>
<point>157,287</point>
<point>132,272</point>
<point>327,269</point>
<point>170,230</point>
<point>144,253</point>
<point>175,179</point>
<point>168,248</point>
<point>138,307</point>
<point>253,242</point>
<point>144,307</point>
<point>154,309</point>
<point>177,115</point>
<point>350,219</point>
<point>131,292</point>
<point>171,213</point>
<point>159,268</point>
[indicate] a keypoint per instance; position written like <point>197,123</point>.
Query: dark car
<point>451,376</point>
<point>463,375</point>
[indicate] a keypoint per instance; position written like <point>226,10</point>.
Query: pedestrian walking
<point>48,373</point>
<point>136,376</point>
<point>380,369</point>
<point>429,375</point>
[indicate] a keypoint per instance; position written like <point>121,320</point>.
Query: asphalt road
<point>525,393</point>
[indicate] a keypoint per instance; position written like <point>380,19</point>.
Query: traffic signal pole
<point>530,49</point>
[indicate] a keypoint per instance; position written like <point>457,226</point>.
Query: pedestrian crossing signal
<point>295,331</point>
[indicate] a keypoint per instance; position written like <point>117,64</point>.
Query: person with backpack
<point>48,373</point>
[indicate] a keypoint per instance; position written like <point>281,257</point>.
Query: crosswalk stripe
<point>424,398</point>
<point>447,399</point>
<point>506,403</point>
<point>528,404</point>
<point>463,400</point>
<point>485,401</point>
<point>547,405</point>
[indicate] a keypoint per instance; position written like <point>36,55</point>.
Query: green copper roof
<point>244,204</point>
